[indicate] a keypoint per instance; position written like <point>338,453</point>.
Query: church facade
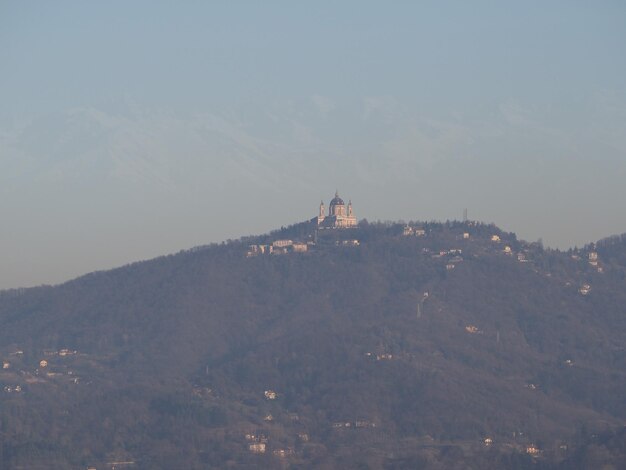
<point>339,215</point>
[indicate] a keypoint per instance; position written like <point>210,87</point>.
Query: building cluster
<point>356,424</point>
<point>413,231</point>
<point>340,216</point>
<point>351,242</point>
<point>258,443</point>
<point>278,247</point>
<point>380,357</point>
<point>593,261</point>
<point>61,352</point>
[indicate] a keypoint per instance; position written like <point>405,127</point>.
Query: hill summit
<point>378,345</point>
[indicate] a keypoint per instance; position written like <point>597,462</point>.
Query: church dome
<point>337,201</point>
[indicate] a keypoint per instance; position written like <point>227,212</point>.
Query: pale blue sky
<point>134,129</point>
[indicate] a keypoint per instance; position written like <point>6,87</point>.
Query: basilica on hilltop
<point>339,215</point>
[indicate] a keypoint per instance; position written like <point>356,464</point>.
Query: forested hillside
<point>385,346</point>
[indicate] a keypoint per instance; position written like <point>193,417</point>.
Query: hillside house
<point>6,365</point>
<point>495,238</point>
<point>43,363</point>
<point>532,449</point>
<point>270,394</point>
<point>282,243</point>
<point>413,231</point>
<point>282,453</point>
<point>257,448</point>
<point>466,236</point>
<point>66,352</point>
<point>585,289</point>
<point>300,247</point>
<point>255,250</point>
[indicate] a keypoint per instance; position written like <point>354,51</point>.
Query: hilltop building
<point>339,215</point>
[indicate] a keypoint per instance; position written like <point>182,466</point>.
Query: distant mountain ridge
<point>421,348</point>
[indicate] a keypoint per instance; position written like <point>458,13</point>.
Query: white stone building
<point>339,215</point>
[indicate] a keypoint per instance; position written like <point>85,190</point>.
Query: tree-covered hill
<point>431,350</point>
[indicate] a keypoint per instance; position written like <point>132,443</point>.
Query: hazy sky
<point>131,129</point>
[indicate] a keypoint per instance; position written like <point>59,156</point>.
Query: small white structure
<point>466,235</point>
<point>495,238</point>
<point>585,289</point>
<point>270,394</point>
<point>43,363</point>
<point>6,365</point>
